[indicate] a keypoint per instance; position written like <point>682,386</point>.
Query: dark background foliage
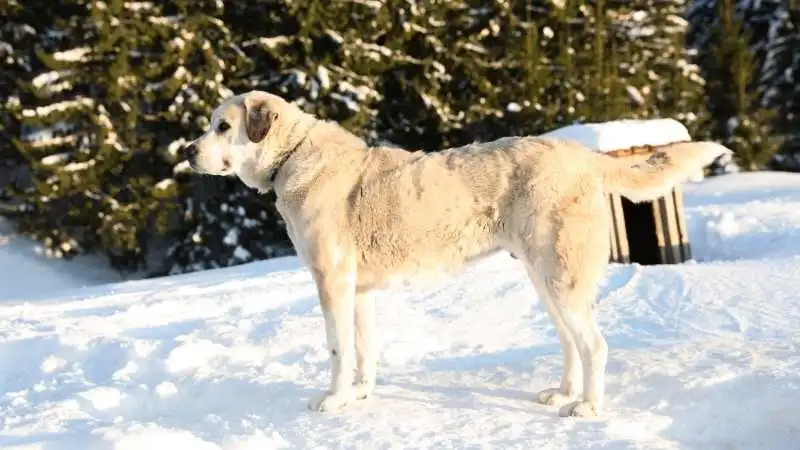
<point>98,96</point>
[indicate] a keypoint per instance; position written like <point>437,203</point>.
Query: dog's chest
<point>300,246</point>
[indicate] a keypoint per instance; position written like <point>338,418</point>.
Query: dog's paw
<point>579,409</point>
<point>554,397</point>
<point>329,401</point>
<point>364,389</point>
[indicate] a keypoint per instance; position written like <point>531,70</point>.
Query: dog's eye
<point>223,127</point>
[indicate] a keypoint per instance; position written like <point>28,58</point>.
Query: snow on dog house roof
<point>623,134</point>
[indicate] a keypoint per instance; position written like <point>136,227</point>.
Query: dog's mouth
<point>227,168</point>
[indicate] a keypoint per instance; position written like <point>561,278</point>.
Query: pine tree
<point>311,54</point>
<point>624,75</point>
<point>118,87</point>
<point>604,82</point>
<point>16,36</point>
<point>780,82</point>
<point>738,120</point>
<point>517,35</point>
<point>567,88</point>
<point>428,75</point>
<point>635,62</point>
<point>497,84</point>
<point>99,183</point>
<point>44,135</point>
<point>221,222</point>
<point>764,27</point>
<point>316,54</point>
<point>670,83</point>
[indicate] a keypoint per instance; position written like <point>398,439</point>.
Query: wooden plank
<point>683,234</point>
<point>620,241</point>
<point>612,231</point>
<point>616,237</point>
<point>622,232</point>
<point>671,240</point>
<point>658,219</point>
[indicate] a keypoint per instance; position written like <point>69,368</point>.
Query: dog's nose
<point>189,152</point>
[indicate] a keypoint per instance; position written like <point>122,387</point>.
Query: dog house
<point>648,232</point>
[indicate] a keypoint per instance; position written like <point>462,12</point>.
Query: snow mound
<point>28,272</point>
<point>703,355</point>
<point>625,133</point>
<point>622,134</point>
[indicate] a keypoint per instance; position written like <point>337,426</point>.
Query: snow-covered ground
<point>704,355</point>
<point>26,271</point>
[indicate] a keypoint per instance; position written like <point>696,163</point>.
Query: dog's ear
<point>258,119</point>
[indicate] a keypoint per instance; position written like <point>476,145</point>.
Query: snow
<point>55,159</point>
<point>231,237</point>
<point>375,4</point>
<point>139,6</point>
<point>324,76</point>
<point>361,93</point>
<point>164,184</point>
<point>78,166</point>
<point>625,133</point>
<point>52,81</point>
<point>44,111</point>
<point>73,55</point>
<point>334,36</point>
<point>622,134</point>
<point>163,20</point>
<point>475,48</point>
<point>53,142</point>
<point>746,215</point>
<point>242,254</point>
<point>347,101</point>
<point>175,147</point>
<point>272,42</point>
<point>635,95</point>
<point>703,355</point>
<point>374,51</point>
<point>26,272</point>
<point>46,135</point>
<point>182,167</point>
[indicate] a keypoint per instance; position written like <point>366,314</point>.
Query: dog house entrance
<point>649,233</point>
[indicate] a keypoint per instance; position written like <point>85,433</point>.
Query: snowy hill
<point>25,267</point>
<point>703,355</point>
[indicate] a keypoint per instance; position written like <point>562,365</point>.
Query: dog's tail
<point>653,173</point>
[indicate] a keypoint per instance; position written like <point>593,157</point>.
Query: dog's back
<point>412,214</point>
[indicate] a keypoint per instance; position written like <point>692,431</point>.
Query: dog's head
<point>247,136</point>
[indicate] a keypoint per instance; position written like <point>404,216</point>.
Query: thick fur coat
<point>364,217</point>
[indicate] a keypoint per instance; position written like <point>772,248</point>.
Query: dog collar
<point>281,161</point>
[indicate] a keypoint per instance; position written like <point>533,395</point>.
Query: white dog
<point>361,217</point>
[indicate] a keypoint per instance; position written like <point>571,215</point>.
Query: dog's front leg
<point>336,289</point>
<point>366,351</point>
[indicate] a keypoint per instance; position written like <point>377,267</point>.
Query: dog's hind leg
<point>366,350</point>
<point>568,258</point>
<point>594,354</point>
<point>572,279</point>
<point>569,388</point>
